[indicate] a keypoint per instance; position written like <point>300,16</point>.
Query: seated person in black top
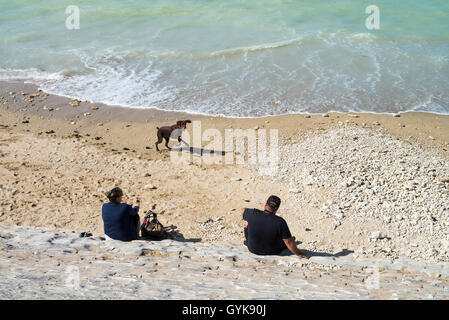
<point>266,233</point>
<point>121,221</point>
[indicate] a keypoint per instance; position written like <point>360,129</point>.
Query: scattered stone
<point>377,235</point>
<point>203,220</point>
<point>104,190</point>
<point>150,187</point>
<point>74,103</point>
<point>85,234</point>
<point>336,224</point>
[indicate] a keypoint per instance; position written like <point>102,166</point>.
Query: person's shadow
<point>342,253</point>
<point>311,254</point>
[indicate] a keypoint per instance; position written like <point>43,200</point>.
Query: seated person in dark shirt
<point>121,221</point>
<point>266,233</point>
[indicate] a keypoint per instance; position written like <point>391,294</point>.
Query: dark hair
<point>114,194</point>
<point>274,202</point>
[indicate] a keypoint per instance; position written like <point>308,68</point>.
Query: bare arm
<point>291,245</point>
<point>243,211</point>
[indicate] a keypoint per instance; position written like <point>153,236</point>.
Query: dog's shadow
<point>199,151</point>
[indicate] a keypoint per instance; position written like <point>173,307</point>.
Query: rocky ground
<point>355,176</point>
<point>348,188</point>
<point>38,263</point>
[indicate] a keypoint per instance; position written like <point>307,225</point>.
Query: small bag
<point>152,228</point>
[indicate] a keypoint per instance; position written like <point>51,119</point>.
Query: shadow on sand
<point>311,254</point>
<point>173,234</point>
<point>199,151</point>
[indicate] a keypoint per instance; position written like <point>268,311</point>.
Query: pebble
<point>203,219</point>
<point>377,235</point>
<point>380,177</point>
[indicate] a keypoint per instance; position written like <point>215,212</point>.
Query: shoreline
<point>199,114</point>
<point>35,87</point>
<point>427,129</point>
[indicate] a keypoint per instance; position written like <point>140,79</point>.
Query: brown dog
<point>174,132</point>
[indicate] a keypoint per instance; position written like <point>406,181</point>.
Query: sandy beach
<point>375,186</point>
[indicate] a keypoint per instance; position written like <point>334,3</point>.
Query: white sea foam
<point>264,46</point>
<point>328,72</point>
<point>28,74</point>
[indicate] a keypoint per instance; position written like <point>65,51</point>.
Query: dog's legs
<point>166,143</point>
<point>159,140</point>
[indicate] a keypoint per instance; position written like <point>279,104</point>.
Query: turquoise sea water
<point>235,58</point>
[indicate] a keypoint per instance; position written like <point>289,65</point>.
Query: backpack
<point>152,228</point>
